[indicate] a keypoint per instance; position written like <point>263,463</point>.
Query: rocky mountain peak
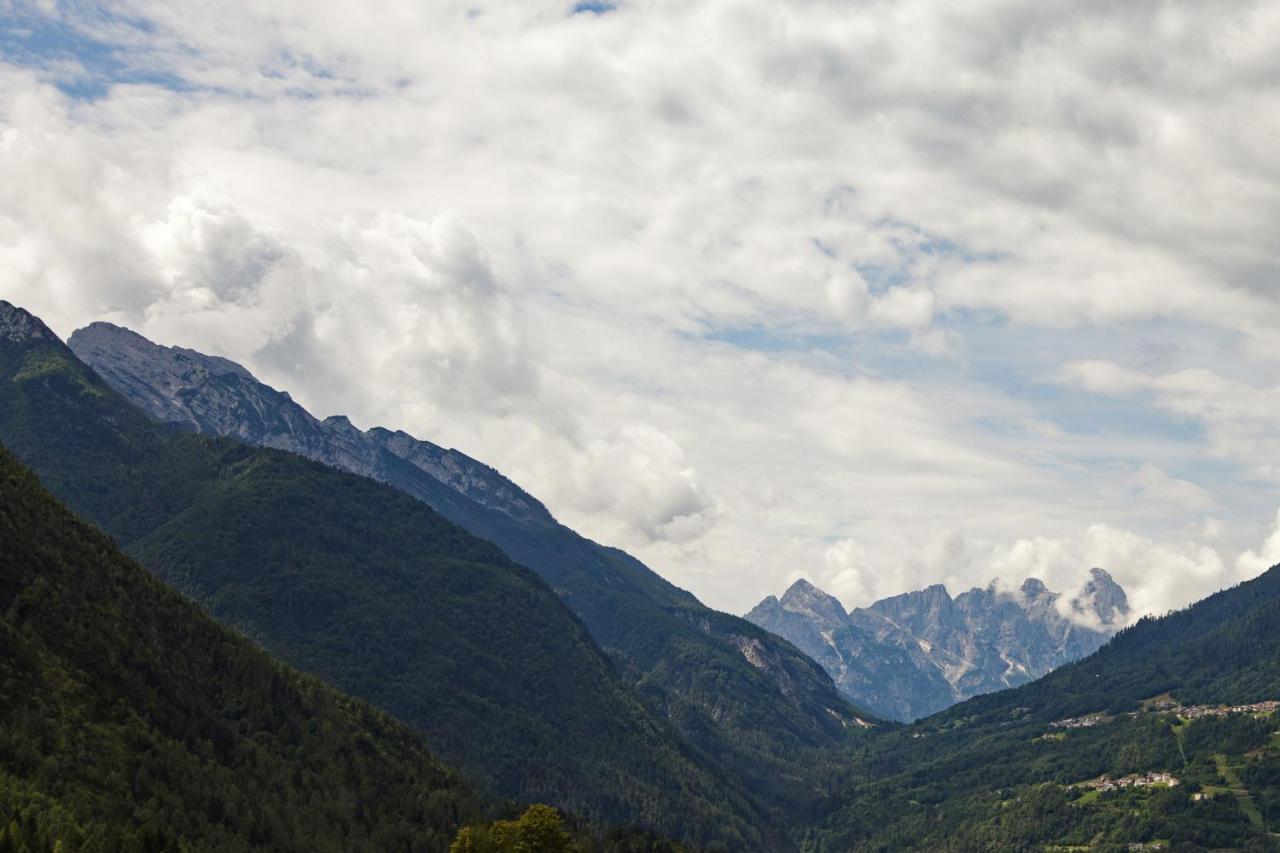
<point>1103,597</point>
<point>936,592</point>
<point>101,331</point>
<point>18,326</point>
<point>1034,588</point>
<point>216,396</point>
<point>805,598</point>
<point>340,422</point>
<point>109,343</point>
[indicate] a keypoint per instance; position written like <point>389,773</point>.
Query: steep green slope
<point>1008,770</point>
<point>767,713</point>
<point>129,720</point>
<point>370,590</point>
<point>765,710</point>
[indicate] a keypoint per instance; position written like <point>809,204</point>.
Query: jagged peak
<point>802,596</point>
<point>936,590</point>
<point>1033,587</point>
<point>18,325</point>
<point>102,340</point>
<point>340,421</point>
<point>103,329</point>
<point>768,604</point>
<point>1104,598</point>
<point>801,586</point>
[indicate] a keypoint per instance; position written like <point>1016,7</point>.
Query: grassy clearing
<point>1247,805</point>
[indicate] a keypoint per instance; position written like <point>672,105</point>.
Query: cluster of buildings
<point>1196,712</point>
<point>1085,722</point>
<point>1170,706</point>
<point>1133,780</point>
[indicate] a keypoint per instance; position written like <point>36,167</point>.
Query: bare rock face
<point>19,326</point>
<point>914,654</point>
<point>216,396</point>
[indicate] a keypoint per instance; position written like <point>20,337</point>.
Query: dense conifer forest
<point>131,721</point>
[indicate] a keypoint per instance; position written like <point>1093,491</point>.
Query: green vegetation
<point>542,830</point>
<point>769,726</point>
<point>376,594</point>
<point>130,721</point>
<point>539,830</point>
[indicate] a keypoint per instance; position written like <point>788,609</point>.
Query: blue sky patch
<point>593,7</point>
<point>80,65</point>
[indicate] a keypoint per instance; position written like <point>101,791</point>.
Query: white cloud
<point>724,281</point>
<point>1237,416</point>
<point>1158,576</point>
<point>1157,486</point>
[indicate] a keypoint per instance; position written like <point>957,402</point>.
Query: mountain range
<point>763,712</point>
<point>374,592</point>
<point>155,705</point>
<point>912,655</point>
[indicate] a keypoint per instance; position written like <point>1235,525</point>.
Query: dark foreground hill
<point>1023,769</point>
<point>370,590</point>
<point>766,713</point>
<point>130,720</point>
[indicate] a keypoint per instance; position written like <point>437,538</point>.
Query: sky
<point>879,294</point>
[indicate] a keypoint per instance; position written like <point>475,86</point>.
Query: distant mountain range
<point>912,655</point>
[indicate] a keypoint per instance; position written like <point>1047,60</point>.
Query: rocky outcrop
<point>216,396</point>
<point>18,326</point>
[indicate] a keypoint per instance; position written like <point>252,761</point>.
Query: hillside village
<point>1133,780</point>
<point>1170,706</point>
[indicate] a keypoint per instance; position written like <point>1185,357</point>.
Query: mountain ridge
<point>373,591</point>
<point>732,689</point>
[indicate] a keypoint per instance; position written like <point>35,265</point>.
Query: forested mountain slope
<point>130,720</point>
<point>370,590</point>
<point>1014,770</point>
<point>767,713</point>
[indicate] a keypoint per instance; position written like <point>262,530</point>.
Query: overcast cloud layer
<point>878,293</point>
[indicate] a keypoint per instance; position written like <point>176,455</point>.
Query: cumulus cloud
<point>751,288</point>
<point>640,477</point>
